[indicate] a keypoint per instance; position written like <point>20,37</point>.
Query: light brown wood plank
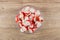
<point>18,1</point>
<point>41,1</point>
<point>50,10</point>
<point>7,14</point>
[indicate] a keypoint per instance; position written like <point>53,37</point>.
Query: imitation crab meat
<point>29,19</point>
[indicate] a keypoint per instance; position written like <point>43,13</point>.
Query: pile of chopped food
<point>29,19</point>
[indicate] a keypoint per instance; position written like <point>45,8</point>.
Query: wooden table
<point>50,10</point>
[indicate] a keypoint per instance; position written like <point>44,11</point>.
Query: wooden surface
<point>50,29</point>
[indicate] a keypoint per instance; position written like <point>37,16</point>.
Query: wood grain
<point>50,10</point>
